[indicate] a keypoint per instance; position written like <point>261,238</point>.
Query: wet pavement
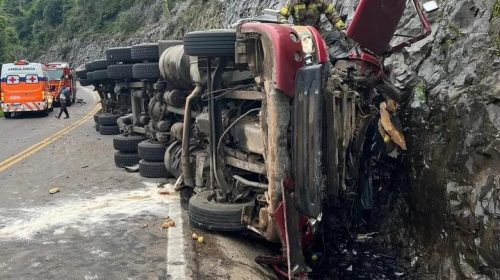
<point>105,223</point>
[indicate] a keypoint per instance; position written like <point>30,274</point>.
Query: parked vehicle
<point>61,75</point>
<point>25,88</point>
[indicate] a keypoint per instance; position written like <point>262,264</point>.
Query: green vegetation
<point>495,12</point>
<point>8,38</point>
<point>1,114</point>
<point>419,90</point>
<point>40,23</point>
<point>454,31</point>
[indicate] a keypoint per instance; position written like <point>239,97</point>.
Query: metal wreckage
<point>267,125</point>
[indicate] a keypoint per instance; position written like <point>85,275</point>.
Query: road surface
<point>104,223</point>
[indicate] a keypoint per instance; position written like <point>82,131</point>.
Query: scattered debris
<point>171,223</point>
<point>164,192</point>
<point>349,268</point>
<point>54,190</point>
<point>200,239</point>
<point>161,185</point>
<point>414,261</point>
<point>132,169</point>
<point>85,166</point>
<point>167,224</point>
<point>145,226</point>
<point>364,237</point>
<point>179,183</point>
<point>164,226</point>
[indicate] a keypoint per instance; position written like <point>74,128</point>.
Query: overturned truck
<point>266,124</point>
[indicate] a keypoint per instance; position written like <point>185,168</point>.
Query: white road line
<point>176,261</point>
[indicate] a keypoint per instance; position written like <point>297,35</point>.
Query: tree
<point>8,40</point>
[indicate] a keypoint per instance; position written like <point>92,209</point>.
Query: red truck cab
<point>61,75</point>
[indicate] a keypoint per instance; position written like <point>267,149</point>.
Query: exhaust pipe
<point>186,133</point>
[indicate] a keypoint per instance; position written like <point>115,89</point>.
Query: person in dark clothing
<point>63,96</point>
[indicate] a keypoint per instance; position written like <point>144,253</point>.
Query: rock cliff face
<point>451,80</point>
<point>159,23</point>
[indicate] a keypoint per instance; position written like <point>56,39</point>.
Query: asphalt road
<point>26,129</point>
<point>104,223</point>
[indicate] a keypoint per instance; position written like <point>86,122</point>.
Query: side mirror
<point>430,6</point>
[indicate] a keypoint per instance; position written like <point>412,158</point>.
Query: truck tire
<point>45,112</point>
<point>7,115</point>
<point>214,43</point>
<point>85,82</point>
<point>120,54</point>
<point>150,169</point>
<point>126,159</point>
<point>81,71</point>
<point>97,127</point>
<point>120,72</point>
<point>96,116</point>
<point>205,213</point>
<point>109,129</point>
<point>172,159</point>
<point>99,64</point>
<point>146,71</point>
<point>90,77</point>
<point>152,150</point>
<point>99,75</point>
<point>146,52</point>
<point>107,119</point>
<point>127,143</point>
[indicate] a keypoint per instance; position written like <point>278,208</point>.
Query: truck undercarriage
<point>264,124</point>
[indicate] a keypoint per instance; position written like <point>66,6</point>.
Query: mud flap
<point>307,140</point>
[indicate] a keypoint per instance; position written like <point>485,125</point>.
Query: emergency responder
<point>308,12</point>
<point>63,97</point>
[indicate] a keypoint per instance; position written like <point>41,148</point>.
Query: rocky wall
<point>452,81</point>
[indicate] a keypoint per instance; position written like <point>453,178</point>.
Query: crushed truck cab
<point>24,88</point>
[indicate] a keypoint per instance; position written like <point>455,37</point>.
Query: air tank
<point>175,68</point>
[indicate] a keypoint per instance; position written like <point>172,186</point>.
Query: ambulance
<point>24,88</point>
